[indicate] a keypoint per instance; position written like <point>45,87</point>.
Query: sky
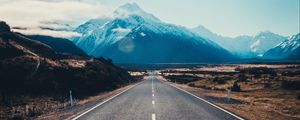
<point>225,17</point>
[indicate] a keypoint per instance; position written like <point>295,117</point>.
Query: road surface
<point>156,100</point>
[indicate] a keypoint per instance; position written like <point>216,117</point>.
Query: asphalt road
<point>156,100</point>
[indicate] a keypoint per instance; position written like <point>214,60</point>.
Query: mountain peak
<point>266,33</point>
<point>201,28</point>
<point>129,9</point>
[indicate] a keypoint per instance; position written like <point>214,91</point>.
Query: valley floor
<point>261,91</point>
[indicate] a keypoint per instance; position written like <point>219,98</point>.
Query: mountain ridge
<point>248,46</point>
<point>288,49</point>
<point>136,24</point>
<point>60,45</point>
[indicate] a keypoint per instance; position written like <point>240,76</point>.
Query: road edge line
<point>212,104</point>
<point>101,103</point>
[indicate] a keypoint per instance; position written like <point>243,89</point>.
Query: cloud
<point>54,14</point>
<point>47,32</point>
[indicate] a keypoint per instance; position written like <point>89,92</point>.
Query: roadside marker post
<point>228,94</point>
<point>71,99</point>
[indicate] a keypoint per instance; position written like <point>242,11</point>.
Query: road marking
<point>106,101</point>
<point>153,117</point>
<point>152,95</point>
<point>207,102</point>
<point>153,102</point>
<point>152,83</point>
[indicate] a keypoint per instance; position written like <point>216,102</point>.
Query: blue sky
<point>225,17</point>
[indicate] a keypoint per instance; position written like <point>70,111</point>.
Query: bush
<point>191,84</point>
<point>236,87</point>
<point>290,85</point>
<point>182,79</point>
<point>220,80</point>
<point>242,78</point>
<point>257,70</point>
<point>291,73</point>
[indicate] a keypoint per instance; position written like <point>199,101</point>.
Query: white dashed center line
<point>153,116</point>
<point>153,102</point>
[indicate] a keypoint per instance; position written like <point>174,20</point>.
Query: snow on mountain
<point>133,9</point>
<point>288,49</point>
<point>291,44</point>
<point>264,41</point>
<point>243,46</point>
<point>131,22</point>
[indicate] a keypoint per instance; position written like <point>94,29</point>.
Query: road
<point>156,100</point>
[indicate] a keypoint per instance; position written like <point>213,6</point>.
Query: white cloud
<point>33,14</point>
<point>37,31</point>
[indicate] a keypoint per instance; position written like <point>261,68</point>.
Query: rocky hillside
<point>60,45</point>
<point>33,68</point>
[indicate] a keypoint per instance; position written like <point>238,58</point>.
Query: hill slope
<point>60,45</point>
<point>31,67</point>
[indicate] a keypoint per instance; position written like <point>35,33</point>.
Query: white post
<point>228,94</point>
<point>71,99</point>
<point>27,109</point>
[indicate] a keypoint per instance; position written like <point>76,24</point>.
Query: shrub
<point>290,85</point>
<point>220,80</point>
<point>256,76</point>
<point>291,73</point>
<point>257,70</point>
<point>191,84</point>
<point>242,78</point>
<point>236,87</point>
<point>182,79</point>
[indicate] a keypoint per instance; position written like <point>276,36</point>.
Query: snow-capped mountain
<point>243,46</point>
<point>264,41</point>
<point>135,36</point>
<point>289,49</point>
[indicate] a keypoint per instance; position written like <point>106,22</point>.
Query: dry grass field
<point>45,107</point>
<point>257,91</point>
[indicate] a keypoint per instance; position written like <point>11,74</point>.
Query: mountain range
<point>132,35</point>
<point>243,46</point>
<point>135,36</point>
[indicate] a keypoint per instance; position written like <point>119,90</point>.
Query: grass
<point>271,92</point>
